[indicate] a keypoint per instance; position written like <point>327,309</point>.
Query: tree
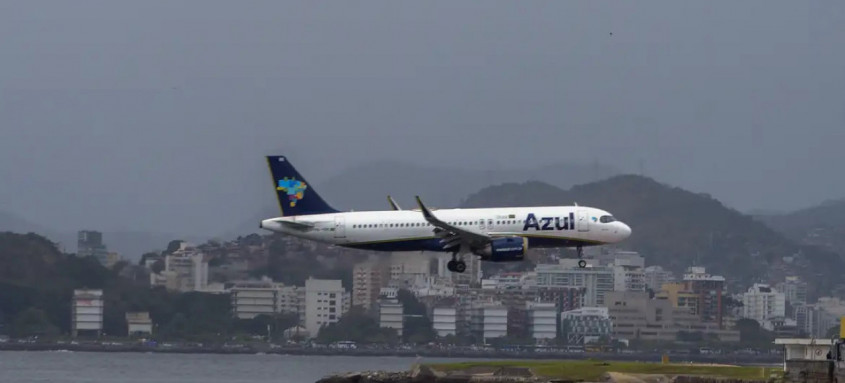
<point>417,326</point>
<point>358,327</point>
<point>33,321</point>
<point>148,255</point>
<point>173,245</point>
<point>751,332</point>
<point>158,266</point>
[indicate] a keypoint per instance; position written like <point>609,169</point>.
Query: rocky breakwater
<point>424,374</point>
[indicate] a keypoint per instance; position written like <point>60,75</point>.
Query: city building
<point>763,303</point>
<point>445,321</point>
<point>367,280</point>
<point>324,303</point>
<point>710,290</point>
<point>253,298</point>
<point>635,316</point>
<point>794,290</point>
<point>87,315</point>
<point>89,243</point>
<point>139,323</point>
<point>112,258</point>
<point>407,270</point>
<point>185,270</point>
<point>655,277</point>
<point>586,325</point>
<point>628,278</point>
<point>542,320</point>
<point>391,315</point>
<point>813,320</point>
<point>489,321</point>
<point>594,282</point>
<point>680,297</point>
<point>472,276</point>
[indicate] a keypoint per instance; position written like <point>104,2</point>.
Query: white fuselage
<point>406,230</point>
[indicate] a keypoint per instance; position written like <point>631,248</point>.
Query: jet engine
<point>508,249</point>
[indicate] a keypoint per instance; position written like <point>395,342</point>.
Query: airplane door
<point>583,221</point>
<point>339,227</point>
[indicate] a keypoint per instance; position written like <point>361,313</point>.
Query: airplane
<point>502,234</point>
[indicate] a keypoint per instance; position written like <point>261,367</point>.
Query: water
<point>79,367</point>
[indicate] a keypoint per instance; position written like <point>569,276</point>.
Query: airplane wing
<point>452,235</point>
<point>393,204</point>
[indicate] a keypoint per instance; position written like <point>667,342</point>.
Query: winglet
<point>426,213</point>
<point>393,204</point>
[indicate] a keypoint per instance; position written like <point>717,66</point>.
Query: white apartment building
<point>655,277</point>
<point>87,312</point>
<point>761,302</point>
<point>325,302</point>
<point>445,321</point>
<point>542,320</point>
<point>391,315</point>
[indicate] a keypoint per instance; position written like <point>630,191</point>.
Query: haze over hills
<point>822,225</point>
<point>130,244</point>
<point>677,228</point>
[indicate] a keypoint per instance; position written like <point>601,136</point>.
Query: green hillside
<point>676,228</point>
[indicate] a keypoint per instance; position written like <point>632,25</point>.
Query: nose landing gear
<point>581,262</point>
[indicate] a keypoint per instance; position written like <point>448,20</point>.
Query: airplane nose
<point>624,230</point>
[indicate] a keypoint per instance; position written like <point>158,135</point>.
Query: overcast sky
<point>155,115</point>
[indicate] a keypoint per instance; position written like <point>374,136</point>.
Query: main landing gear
<point>456,265</point>
<point>581,262</point>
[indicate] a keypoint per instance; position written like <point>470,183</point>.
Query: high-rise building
<point>87,315</point>
<point>367,280</point>
<point>710,289</point>
<point>794,290</point>
<point>89,243</point>
<point>762,303</point>
<point>594,282</point>
<point>489,321</point>
<point>324,303</point>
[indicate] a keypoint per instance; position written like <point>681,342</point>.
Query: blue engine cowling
<point>509,249</point>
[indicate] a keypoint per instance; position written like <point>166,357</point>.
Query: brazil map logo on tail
<point>295,189</point>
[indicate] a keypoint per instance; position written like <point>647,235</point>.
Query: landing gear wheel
<point>580,250</point>
<point>582,263</point>
<point>451,265</point>
<point>460,267</point>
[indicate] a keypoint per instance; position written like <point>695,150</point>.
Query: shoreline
<point>465,354</point>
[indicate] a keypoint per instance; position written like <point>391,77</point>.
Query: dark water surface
<point>78,367</point>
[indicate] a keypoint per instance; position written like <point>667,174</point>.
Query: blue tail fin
<point>296,197</point>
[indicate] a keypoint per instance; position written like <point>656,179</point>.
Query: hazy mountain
<point>365,187</point>
<point>678,228</point>
<point>15,223</point>
<point>130,244</point>
<point>822,225</point>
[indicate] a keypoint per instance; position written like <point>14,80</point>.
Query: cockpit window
<point>607,219</point>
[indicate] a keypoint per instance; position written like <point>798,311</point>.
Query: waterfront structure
<point>87,312</point>
<point>139,323</point>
